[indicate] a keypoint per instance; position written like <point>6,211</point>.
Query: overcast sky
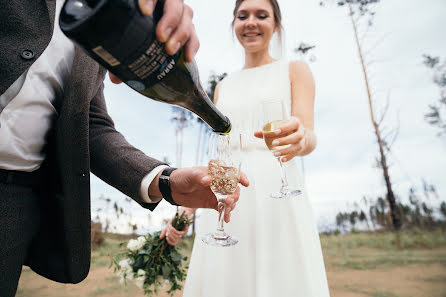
<point>341,169</point>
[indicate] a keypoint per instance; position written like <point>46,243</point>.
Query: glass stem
<point>220,233</point>
<point>282,174</point>
<point>221,215</point>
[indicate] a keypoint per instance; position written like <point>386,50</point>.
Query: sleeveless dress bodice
<point>279,252</point>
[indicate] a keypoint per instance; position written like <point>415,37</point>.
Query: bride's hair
<point>277,15</point>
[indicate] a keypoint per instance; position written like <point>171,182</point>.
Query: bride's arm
<point>297,134</point>
<point>302,104</point>
<point>217,90</point>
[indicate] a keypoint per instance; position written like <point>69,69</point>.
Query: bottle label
<point>106,56</point>
<point>154,59</point>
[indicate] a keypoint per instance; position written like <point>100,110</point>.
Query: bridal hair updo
<point>277,15</point>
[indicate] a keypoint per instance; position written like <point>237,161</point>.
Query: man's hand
<point>175,28</point>
<point>190,188</point>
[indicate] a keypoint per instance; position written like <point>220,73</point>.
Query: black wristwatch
<point>164,185</point>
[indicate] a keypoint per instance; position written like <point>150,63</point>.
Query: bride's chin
<point>252,49</point>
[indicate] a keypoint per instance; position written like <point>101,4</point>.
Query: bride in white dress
<point>279,252</point>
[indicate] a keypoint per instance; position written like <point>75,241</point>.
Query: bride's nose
<point>251,21</point>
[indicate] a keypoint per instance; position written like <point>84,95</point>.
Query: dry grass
<point>412,264</point>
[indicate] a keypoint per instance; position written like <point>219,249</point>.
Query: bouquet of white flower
<point>151,262</point>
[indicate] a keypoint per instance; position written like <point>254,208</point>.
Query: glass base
<point>217,239</point>
<point>286,193</point>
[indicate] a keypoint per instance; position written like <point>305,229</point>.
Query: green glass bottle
<point>120,38</point>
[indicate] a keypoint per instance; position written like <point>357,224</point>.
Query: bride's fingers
<point>258,134</point>
<point>163,233</point>
<point>170,241</point>
<point>292,125</point>
<point>291,150</point>
<point>287,158</point>
<point>174,232</point>
<point>290,139</point>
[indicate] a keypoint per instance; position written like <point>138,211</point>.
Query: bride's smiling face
<point>254,24</point>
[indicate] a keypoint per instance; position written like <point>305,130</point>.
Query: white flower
<point>126,270</point>
<point>121,280</point>
<point>139,281</point>
<point>135,245</point>
<point>124,263</point>
<point>141,272</point>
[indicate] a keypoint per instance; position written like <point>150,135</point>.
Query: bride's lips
<point>251,34</point>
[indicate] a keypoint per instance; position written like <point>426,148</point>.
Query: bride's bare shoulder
<point>299,69</point>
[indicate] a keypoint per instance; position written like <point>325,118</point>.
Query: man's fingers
<point>114,79</point>
<point>233,198</point>
<point>147,6</point>
<point>192,46</point>
<point>227,217</point>
<point>206,180</point>
<point>244,179</point>
<point>173,13</point>
<point>182,33</point>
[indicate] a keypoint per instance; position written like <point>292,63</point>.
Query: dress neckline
<point>260,67</point>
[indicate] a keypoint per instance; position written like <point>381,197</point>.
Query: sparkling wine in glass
<point>224,167</point>
<point>274,114</point>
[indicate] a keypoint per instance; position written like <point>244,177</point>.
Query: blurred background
<point>380,164</point>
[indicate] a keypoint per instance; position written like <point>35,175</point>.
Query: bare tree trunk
<point>396,220</point>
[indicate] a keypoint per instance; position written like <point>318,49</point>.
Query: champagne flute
<point>224,161</point>
<point>274,114</point>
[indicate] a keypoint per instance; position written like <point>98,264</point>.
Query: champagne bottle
<point>120,38</point>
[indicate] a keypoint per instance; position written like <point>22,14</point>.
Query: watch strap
<point>164,185</point>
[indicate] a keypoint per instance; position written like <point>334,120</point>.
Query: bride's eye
<point>242,17</point>
<point>262,16</point>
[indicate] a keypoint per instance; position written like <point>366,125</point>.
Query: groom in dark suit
<point>54,129</point>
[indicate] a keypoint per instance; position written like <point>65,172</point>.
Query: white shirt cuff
<point>145,183</point>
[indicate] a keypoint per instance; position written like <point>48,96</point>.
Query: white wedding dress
<point>279,252</point>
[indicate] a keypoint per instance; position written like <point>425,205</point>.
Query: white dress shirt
<point>26,109</point>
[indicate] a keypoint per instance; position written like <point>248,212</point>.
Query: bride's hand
<point>172,235</point>
<point>291,134</point>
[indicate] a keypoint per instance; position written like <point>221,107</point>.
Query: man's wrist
<point>154,190</point>
<point>149,185</point>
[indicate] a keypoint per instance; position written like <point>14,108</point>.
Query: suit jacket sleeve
<point>112,158</point>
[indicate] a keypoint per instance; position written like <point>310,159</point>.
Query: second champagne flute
<point>274,114</point>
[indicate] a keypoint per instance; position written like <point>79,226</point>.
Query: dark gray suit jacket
<point>83,138</point>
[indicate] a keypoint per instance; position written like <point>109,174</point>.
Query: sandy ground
<point>415,280</point>
<point>353,270</point>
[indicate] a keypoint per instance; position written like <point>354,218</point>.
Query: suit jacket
<point>83,138</point>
